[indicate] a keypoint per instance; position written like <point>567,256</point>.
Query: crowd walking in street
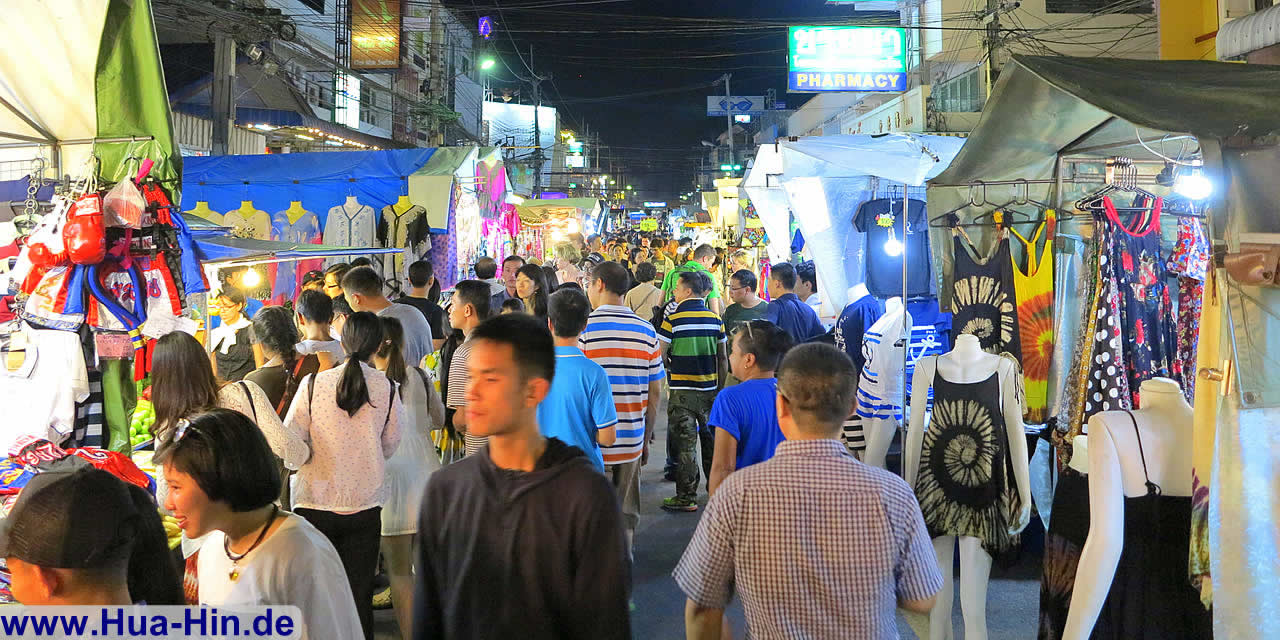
<point>324,469</point>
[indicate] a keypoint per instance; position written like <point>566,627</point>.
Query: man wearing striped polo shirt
<point>693,342</point>
<point>627,347</point>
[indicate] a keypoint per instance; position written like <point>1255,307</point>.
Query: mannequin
<point>352,202</point>
<point>349,224</point>
<point>967,364</point>
<point>1116,473</point>
<point>402,204</point>
<point>1080,454</point>
<point>203,211</point>
<point>880,399</point>
<point>249,221</point>
<point>295,211</point>
<point>857,291</point>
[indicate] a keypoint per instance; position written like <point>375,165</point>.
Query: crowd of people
<point>297,455</point>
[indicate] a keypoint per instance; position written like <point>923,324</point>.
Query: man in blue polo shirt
<point>579,407</point>
<point>787,310</point>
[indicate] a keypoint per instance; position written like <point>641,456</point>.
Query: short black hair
<point>363,281</point>
<point>512,304</point>
<point>745,278</point>
<point>818,380</point>
<point>806,272</point>
<point>764,340</point>
<point>698,282</point>
<point>569,285</point>
<point>234,294</point>
<point>486,268</point>
<point>340,269</point>
<point>513,258</point>
<point>785,274</point>
<point>568,310</point>
<point>313,277</point>
<point>646,272</point>
<point>704,251</point>
<point>613,275</point>
<point>362,261</point>
<point>420,273</point>
<point>227,455</point>
<point>474,293</point>
<point>315,306</point>
<point>340,307</point>
<point>529,339</point>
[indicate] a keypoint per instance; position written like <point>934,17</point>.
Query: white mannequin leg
<point>940,617</point>
<point>975,572</point>
<point>879,434</point>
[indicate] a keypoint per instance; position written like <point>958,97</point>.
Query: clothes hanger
<point>949,219</point>
<point>402,204</point>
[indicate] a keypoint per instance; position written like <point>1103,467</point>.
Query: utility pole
<point>992,18</point>
<point>536,81</point>
<point>728,116</point>
<point>222,98</point>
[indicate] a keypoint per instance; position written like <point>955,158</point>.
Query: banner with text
<point>846,59</point>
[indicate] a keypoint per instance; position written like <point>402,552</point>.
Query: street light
<point>487,64</point>
<point>628,187</point>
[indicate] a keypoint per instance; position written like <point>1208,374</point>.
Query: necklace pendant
<point>234,574</point>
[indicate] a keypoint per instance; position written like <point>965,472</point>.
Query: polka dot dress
<point>1108,386</point>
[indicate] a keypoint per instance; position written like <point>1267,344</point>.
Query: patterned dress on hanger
<point>1146,313</point>
<point>965,484</point>
<point>1190,261</point>
<point>1034,291</point>
<point>984,302</point>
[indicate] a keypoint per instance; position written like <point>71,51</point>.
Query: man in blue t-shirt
<point>579,407</point>
<point>745,416</point>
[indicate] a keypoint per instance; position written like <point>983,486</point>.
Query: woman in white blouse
<point>223,486</point>
<point>351,417</point>
<point>408,470</point>
<point>182,385</point>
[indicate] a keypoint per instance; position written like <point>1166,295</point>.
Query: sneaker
<point>676,503</point>
<point>382,599</point>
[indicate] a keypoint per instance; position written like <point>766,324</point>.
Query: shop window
<point>961,94</point>
<point>367,104</point>
<point>1094,6</point>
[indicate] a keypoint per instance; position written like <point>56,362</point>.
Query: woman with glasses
<point>223,484</point>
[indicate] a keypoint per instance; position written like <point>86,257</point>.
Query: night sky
<point>639,71</point>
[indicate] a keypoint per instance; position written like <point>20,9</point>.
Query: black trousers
<point>357,538</point>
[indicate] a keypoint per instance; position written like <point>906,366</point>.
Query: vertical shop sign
<point>375,34</point>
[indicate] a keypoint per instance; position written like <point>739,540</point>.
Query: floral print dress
<point>1146,313</point>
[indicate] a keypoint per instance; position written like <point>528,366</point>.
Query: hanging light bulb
<point>893,246</point>
<point>1193,185</point>
<point>252,279</point>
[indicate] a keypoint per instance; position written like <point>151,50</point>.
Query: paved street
<point>1012,602</point>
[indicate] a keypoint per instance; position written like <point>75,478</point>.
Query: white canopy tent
<point>825,180</point>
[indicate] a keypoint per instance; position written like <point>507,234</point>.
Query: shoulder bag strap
<point>252,406</point>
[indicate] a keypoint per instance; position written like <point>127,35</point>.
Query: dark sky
<point>639,71</point>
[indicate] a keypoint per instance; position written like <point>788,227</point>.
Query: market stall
<point>1146,178</point>
<point>448,205</point>
<point>546,223</point>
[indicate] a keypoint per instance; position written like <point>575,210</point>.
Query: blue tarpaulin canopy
<point>214,250</point>
<point>320,180</point>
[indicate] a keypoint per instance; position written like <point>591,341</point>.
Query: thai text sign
<point>846,59</point>
<point>375,34</point>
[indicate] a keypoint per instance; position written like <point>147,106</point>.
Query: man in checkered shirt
<point>817,544</point>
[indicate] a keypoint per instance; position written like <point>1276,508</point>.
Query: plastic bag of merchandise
<point>124,205</point>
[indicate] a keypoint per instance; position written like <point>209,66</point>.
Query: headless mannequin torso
<point>879,431</point>
<point>1116,472</point>
<point>967,364</point>
<point>857,291</point>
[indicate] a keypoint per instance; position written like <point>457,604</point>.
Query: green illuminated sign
<point>846,59</point>
<point>726,167</point>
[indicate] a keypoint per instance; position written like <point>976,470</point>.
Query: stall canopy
<point>763,187</point>
<point>320,180</point>
<point>431,186</point>
<point>827,178</point>
<point>1048,114</point>
<point>104,83</point>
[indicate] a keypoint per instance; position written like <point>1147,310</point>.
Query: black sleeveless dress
<point>1151,596</point>
<point>984,303</point>
<point>965,484</point>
